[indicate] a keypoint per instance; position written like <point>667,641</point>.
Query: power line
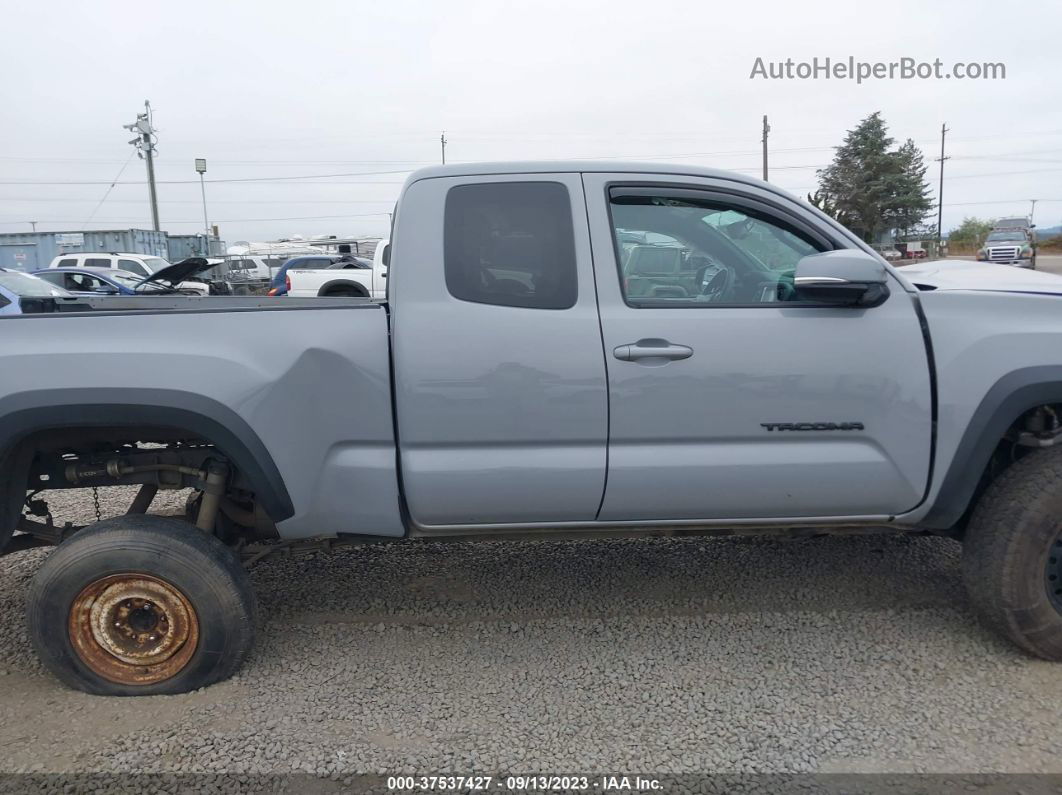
<point>196,182</point>
<point>1003,201</point>
<point>220,221</point>
<point>107,192</point>
<point>76,200</point>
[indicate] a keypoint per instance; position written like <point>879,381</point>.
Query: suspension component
<point>217,476</point>
<point>1041,428</point>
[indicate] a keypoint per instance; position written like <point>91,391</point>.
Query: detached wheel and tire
<point>141,605</point>
<point>1012,554</point>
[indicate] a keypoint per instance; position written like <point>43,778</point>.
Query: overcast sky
<point>272,89</point>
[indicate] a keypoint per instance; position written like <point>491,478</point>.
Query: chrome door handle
<point>647,350</point>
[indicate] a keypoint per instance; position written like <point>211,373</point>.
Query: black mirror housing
<point>847,277</point>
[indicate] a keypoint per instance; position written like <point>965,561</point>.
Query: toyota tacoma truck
<point>576,349</point>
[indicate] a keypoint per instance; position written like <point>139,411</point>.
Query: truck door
<point>728,398</point>
<point>500,391</point>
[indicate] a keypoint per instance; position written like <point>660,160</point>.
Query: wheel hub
<point>1053,575</point>
<point>133,628</point>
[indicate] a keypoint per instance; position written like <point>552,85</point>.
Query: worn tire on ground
<point>204,577</point>
<point>1011,546</point>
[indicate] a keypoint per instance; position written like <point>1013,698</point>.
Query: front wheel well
<point>1037,428</point>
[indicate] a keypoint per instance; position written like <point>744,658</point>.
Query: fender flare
<point>343,283</point>
<point>26,413</point>
<point>1011,396</point>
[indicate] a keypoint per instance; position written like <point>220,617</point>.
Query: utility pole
<point>1032,212</point>
<point>766,129</point>
<point>442,143</point>
<point>145,149</point>
<point>940,192</point>
<point>34,225</point>
<point>200,166</point>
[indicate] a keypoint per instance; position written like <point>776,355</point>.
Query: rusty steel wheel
<point>133,629</point>
<point>141,605</point>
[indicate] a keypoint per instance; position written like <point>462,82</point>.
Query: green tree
<point>972,231</point>
<point>821,201</point>
<point>871,187</point>
<point>912,203</point>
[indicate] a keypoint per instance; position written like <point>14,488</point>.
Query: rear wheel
<point>1012,554</point>
<point>141,605</point>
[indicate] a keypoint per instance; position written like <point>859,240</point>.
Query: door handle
<point>652,351</point>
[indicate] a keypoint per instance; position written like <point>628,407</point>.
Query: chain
<point>96,502</point>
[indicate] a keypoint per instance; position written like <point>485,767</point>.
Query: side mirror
<point>841,278</point>
<point>106,290</point>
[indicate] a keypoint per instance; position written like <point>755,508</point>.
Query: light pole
<point>34,225</point>
<point>200,166</point>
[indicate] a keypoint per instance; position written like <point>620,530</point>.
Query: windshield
<point>155,264</point>
<point>29,286</point>
<point>131,280</point>
<point>1011,235</point>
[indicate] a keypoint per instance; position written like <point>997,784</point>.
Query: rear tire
<point>344,292</point>
<point>141,605</point>
<point>1012,554</point>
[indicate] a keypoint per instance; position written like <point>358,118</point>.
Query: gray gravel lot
<point>692,655</point>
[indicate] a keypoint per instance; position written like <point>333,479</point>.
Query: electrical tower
<point>145,149</point>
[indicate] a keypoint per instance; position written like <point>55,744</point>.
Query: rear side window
<point>510,244</point>
<point>67,263</point>
<point>54,278</point>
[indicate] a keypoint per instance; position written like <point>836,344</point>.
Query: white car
<point>139,264</point>
<point>349,278</point>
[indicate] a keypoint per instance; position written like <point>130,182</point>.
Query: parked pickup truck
<point>577,349</point>
<point>348,277</point>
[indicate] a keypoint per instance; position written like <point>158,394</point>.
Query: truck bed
<point>305,383</point>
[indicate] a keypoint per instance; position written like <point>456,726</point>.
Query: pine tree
<point>872,188</point>
<point>912,199</point>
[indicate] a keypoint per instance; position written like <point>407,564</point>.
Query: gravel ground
<point>741,655</point>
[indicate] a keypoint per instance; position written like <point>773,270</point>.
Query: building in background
<point>28,251</point>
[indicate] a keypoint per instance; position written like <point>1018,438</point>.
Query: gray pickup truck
<point>577,349</point>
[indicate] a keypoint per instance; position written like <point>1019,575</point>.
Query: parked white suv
<point>139,264</point>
